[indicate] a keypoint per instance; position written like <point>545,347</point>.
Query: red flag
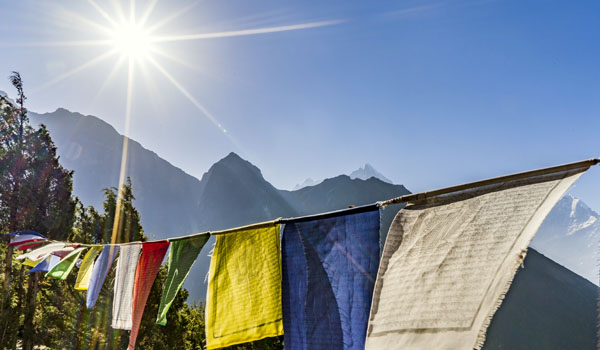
<point>145,274</point>
<point>29,245</point>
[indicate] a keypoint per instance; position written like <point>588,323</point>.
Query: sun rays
<point>137,41</point>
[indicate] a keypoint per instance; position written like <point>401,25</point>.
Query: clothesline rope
<point>409,198</point>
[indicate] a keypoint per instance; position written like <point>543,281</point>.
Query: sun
<point>132,41</point>
<point>139,44</point>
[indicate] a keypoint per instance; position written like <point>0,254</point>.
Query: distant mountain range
<point>364,173</point>
<point>233,192</point>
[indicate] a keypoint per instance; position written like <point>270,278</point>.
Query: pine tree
<point>35,194</point>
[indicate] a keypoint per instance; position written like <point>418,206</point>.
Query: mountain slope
<point>307,182</point>
<point>342,191</point>
<point>234,193</point>
<point>166,196</point>
<point>547,307</point>
<point>570,236</point>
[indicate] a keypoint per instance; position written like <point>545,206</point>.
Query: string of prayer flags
<point>244,289</point>
<point>99,272</point>
<point>182,256</point>
<point>85,269</point>
<point>123,290</point>
<point>38,253</point>
<point>329,271</point>
<point>64,267</point>
<point>45,264</point>
<point>449,260</point>
<point>147,268</point>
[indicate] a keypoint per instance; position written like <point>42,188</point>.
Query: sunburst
<point>137,42</point>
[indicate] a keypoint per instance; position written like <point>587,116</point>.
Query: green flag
<point>181,258</point>
<point>64,267</point>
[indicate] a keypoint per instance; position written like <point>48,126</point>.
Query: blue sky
<point>431,93</point>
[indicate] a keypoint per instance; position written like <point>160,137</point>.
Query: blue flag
<point>45,265</point>
<point>99,272</point>
<point>329,270</point>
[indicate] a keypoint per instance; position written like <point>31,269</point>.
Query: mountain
<point>547,307</point>
<point>367,172</point>
<point>234,185</point>
<point>570,236</point>
<point>363,173</point>
<point>341,191</point>
<point>307,182</point>
<point>166,196</point>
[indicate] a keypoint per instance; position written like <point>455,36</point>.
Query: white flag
<point>449,261</point>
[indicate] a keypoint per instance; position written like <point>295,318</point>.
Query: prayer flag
<point>182,256</point>
<point>62,253</point>
<point>123,291</point>
<point>449,260</point>
<point>99,272</point>
<point>244,289</point>
<point>29,262</point>
<point>25,232</point>
<point>145,274</point>
<point>42,251</point>
<point>85,269</point>
<point>64,267</point>
<point>329,271</point>
<point>25,238</point>
<point>46,264</point>
<point>29,245</point>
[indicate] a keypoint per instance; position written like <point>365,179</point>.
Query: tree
<point>35,193</point>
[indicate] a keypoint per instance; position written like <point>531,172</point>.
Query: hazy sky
<point>431,93</point>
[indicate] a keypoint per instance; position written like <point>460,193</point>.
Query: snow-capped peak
<point>570,236</point>
<point>366,172</point>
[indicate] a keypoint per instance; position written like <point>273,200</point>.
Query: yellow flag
<point>85,269</point>
<point>30,262</point>
<point>244,287</point>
